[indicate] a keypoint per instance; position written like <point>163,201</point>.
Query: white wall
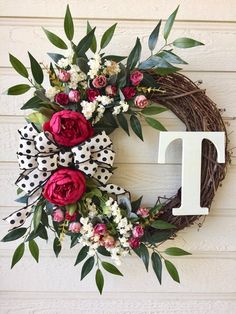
<point>208,278</point>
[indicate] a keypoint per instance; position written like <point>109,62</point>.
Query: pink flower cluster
<point>105,239</point>
<point>137,233</point>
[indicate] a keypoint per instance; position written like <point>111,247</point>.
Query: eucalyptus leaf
<point>68,24</point>
<point>87,267</point>
<point>136,126</point>
<point>81,255</point>
<point>19,252</point>
<point>172,271</point>
<point>170,57</point>
<point>157,265</point>
<point>57,246</point>
<point>36,69</point>
<point>55,56</point>
<point>18,89</point>
<point>99,280</point>
<point>155,124</point>
<point>169,23</point>
<point>93,46</point>
<point>107,36</point>
<point>136,204</point>
<point>185,42</point>
<point>18,66</point>
<point>34,250</point>
<point>161,224</point>
<point>175,251</point>
<point>153,110</point>
<point>134,55</point>
<point>152,41</point>
<point>14,234</point>
<point>55,40</point>
<point>111,269</point>
<point>123,122</point>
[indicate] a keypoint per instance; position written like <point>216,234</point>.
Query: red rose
<point>134,243</point>
<point>92,94</point>
<point>69,128</point>
<point>136,77</point>
<point>129,92</point>
<point>65,186</point>
<point>100,81</point>
<point>62,99</point>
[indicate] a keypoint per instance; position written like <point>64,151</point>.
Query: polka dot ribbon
<point>39,156</point>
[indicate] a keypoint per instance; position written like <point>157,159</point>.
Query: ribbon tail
<point>113,189</point>
<point>18,217</point>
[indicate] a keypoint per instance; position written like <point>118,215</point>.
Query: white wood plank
<point>223,96</point>
<point>211,57</point>
<point>111,9</point>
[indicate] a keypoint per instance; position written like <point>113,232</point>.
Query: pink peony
<point>74,227</point>
<point>62,99</point>
<point>74,96</point>
<point>129,92</point>
<point>143,212</point>
<point>64,76</point>
<point>141,101</point>
<point>99,81</point>
<point>111,90</point>
<point>92,94</point>
<point>136,77</point>
<point>108,241</point>
<point>58,215</point>
<point>138,231</point>
<point>134,243</point>
<point>100,229</point>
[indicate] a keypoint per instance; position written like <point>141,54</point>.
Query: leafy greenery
<point>136,126</point>
<point>157,265</point>
<point>18,66</point>
<point>134,55</point>
<point>155,124</point>
<point>34,250</point>
<point>111,269</point>
<point>81,255</point>
<point>18,254</point>
<point>57,246</point>
<point>87,267</point>
<point>175,251</point>
<point>123,122</point>
<point>99,280</point>
<point>36,69</point>
<point>169,23</point>
<point>85,43</point>
<point>14,234</point>
<point>18,89</point>
<point>143,253</point>
<point>55,40</point>
<point>152,41</point>
<point>93,45</point>
<point>107,36</point>
<point>68,24</point>
<point>161,224</point>
<point>172,271</point>
<point>185,42</point>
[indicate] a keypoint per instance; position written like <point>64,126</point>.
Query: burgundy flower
<point>136,77</point>
<point>100,81</point>
<point>134,243</point>
<point>129,92</point>
<point>62,99</point>
<point>100,229</point>
<point>92,94</point>
<point>138,231</point>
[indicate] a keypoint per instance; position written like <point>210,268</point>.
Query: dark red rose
<point>70,217</point>
<point>92,94</point>
<point>69,128</point>
<point>65,186</point>
<point>62,99</point>
<point>134,243</point>
<point>129,92</point>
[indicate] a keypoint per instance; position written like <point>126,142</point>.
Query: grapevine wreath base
<point>66,155</point>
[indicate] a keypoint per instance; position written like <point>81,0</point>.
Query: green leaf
<point>172,271</point>
<point>122,76</point>
<point>99,280</point>
<point>152,41</point>
<point>185,42</point>
<point>34,250</point>
<point>55,56</point>
<point>155,124</point>
<point>114,58</point>
<point>149,81</point>
<point>37,117</point>
<point>85,43</point>
<point>87,267</point>
<point>107,36</point>
<point>123,122</point>
<point>169,23</point>
<point>83,65</point>
<point>14,234</point>
<point>144,255</point>
<point>18,89</point>
<point>19,191</point>
<point>157,265</point>
<point>19,252</point>
<point>82,254</point>
<point>171,57</point>
<point>32,103</point>
<point>37,216</point>
<point>93,46</point>
<point>136,204</point>
<point>36,69</point>
<point>155,209</point>
<point>42,232</point>
<point>161,224</point>
<point>158,237</point>
<point>55,40</point>
<point>160,65</point>
<point>68,24</point>
<point>175,251</point>
<point>153,110</point>
<point>134,55</point>
<point>136,126</point>
<point>18,66</point>
<point>57,246</point>
<point>111,269</point>
<point>102,250</point>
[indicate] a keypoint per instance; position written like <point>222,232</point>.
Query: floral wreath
<point>66,156</point>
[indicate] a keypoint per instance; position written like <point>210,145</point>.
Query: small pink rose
<point>141,101</point>
<point>129,92</point>
<point>92,94</point>
<point>64,76</point>
<point>58,215</point>
<point>99,81</point>
<point>143,212</point>
<point>138,231</point>
<point>134,243</point>
<point>74,96</point>
<point>100,229</point>
<point>111,90</point>
<point>62,99</point>
<point>108,241</point>
<point>136,77</point>
<point>74,227</point>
